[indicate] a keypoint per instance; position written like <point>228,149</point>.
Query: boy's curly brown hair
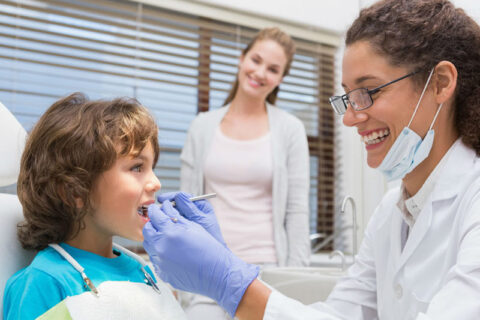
<point>73,142</point>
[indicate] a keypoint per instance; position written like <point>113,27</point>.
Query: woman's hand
<point>188,257</point>
<point>200,211</point>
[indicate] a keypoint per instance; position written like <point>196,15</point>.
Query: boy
<point>87,175</point>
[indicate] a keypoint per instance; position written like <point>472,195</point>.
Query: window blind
<point>175,64</point>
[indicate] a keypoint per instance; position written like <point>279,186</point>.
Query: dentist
<point>411,73</point>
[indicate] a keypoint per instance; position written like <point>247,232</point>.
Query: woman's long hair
<point>288,45</point>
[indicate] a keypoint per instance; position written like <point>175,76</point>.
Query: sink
<point>324,260</point>
<point>307,285</point>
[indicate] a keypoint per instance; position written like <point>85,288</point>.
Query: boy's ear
<point>79,203</point>
<point>63,196</point>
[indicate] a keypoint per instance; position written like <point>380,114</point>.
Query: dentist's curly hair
<point>418,34</point>
<point>73,142</point>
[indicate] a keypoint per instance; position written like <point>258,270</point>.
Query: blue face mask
<point>408,150</point>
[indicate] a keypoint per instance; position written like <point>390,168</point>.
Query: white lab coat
<point>436,276</point>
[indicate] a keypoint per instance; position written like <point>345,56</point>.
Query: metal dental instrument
<point>201,197</point>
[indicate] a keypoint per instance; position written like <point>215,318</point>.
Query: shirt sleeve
<point>188,161</point>
<point>353,298</point>
<point>355,295</point>
<point>280,307</point>
<point>297,213</point>
<point>29,294</point>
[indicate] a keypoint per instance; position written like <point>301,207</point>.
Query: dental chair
<point>12,256</point>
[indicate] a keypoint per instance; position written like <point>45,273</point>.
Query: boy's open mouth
<point>143,211</point>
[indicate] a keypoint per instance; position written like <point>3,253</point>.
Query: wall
<point>329,15</point>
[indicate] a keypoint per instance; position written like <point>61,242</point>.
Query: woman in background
<point>255,157</point>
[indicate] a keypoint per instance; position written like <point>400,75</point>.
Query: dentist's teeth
<point>375,137</point>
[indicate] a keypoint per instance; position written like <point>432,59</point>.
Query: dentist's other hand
<point>185,255</point>
<point>200,211</point>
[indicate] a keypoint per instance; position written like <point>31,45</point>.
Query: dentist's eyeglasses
<point>361,98</point>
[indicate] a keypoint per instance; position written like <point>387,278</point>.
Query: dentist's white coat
<point>436,276</point>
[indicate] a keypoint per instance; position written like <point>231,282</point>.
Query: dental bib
<point>118,300</point>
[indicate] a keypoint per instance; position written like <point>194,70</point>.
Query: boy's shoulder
<point>37,287</point>
<point>50,278</point>
<point>51,264</point>
<point>47,266</point>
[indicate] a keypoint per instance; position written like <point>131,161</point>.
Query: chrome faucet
<point>313,238</point>
<point>340,254</point>
<point>354,221</point>
<point>316,236</point>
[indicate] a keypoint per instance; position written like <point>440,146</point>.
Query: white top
<point>290,184</point>
<point>437,274</point>
<point>240,172</point>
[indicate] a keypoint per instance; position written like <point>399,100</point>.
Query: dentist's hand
<point>185,255</point>
<point>200,211</point>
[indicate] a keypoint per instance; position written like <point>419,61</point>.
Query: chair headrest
<point>12,143</point>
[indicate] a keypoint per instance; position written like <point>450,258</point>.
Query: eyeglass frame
<point>346,100</point>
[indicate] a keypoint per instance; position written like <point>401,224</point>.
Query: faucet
<point>354,221</point>
<point>313,238</point>
<point>316,236</point>
<point>340,254</point>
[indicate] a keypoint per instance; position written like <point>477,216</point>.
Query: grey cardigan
<point>291,176</point>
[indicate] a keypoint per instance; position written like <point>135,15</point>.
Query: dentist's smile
<point>375,138</point>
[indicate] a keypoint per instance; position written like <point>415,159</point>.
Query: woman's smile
<point>374,138</point>
<point>254,83</point>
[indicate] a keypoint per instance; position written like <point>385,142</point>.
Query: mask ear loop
<point>436,114</point>
<point>421,96</point>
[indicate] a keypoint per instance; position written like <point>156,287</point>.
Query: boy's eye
<point>137,167</point>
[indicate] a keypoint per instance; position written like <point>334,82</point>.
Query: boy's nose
<point>154,184</point>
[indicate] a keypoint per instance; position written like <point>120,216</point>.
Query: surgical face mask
<point>408,150</point>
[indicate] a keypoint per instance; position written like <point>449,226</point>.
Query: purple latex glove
<point>200,211</point>
<point>185,255</point>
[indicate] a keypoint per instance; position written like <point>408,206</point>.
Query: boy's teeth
<point>143,211</point>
